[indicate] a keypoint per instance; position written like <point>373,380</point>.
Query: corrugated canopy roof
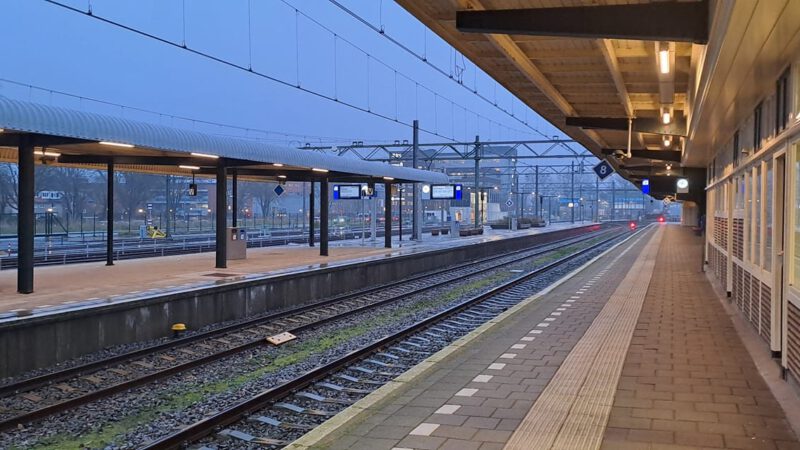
<point>88,129</point>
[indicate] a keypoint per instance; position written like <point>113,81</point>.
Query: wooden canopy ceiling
<point>561,76</point>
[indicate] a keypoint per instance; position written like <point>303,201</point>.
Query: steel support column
<point>537,199</point>
<point>222,217</point>
<point>387,215</point>
<point>572,191</point>
<point>416,220</point>
<point>110,216</point>
<point>323,217</point>
<point>234,198</point>
<point>477,180</point>
<point>26,224</point>
<point>311,209</point>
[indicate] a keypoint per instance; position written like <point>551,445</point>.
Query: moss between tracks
<point>177,399</point>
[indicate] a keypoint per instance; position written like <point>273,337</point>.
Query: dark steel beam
<point>110,215</point>
<point>658,21</point>
<point>387,215</point>
<point>650,125</point>
<point>661,155</point>
<point>12,139</point>
<point>26,224</point>
<point>151,160</point>
<point>323,218</point>
<point>222,218</point>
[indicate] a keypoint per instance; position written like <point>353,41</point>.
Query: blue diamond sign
<point>603,169</point>
<point>279,190</point>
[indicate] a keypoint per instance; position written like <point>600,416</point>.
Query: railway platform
<point>633,351</point>
<point>66,287</point>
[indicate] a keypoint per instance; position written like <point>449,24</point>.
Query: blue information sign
<point>645,185</point>
<point>603,169</point>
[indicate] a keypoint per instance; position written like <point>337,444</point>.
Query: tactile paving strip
<point>572,411</point>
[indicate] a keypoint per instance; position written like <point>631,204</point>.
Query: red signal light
<point>661,219</point>
<point>632,225</point>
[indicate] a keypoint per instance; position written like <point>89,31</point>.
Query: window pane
<point>796,256</point>
<point>748,213</point>
<point>757,216</point>
<point>768,219</point>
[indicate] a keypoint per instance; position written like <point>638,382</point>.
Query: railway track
<point>279,415</point>
<point>40,397</point>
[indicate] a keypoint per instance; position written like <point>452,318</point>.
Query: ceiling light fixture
<point>205,155</point>
<point>283,177</point>
<point>388,178</point>
<point>663,58</point>
<point>667,141</point>
<point>319,170</point>
<point>665,118</point>
<point>116,144</point>
<point>48,153</point>
<point>189,167</point>
<point>277,164</point>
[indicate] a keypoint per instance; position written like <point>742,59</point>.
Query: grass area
<point>293,353</point>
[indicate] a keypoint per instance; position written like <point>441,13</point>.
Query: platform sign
<point>645,185</point>
<point>446,191</point>
<point>279,190</point>
<point>346,191</point>
<point>509,203</point>
<point>603,169</point>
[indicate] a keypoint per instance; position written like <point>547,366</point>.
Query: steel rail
<point>67,404</point>
<point>202,428</point>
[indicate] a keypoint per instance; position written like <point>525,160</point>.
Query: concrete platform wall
<point>43,341</point>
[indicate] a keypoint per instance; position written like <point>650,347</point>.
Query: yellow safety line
<point>572,411</point>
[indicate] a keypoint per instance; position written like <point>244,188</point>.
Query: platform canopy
<point>588,66</point>
<point>68,137</point>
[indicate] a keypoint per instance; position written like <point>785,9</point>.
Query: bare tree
<point>134,190</point>
<point>263,194</point>
<point>8,187</point>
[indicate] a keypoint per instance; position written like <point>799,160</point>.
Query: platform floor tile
<point>488,417</point>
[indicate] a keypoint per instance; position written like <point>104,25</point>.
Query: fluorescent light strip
<point>666,119</point>
<point>319,170</point>
<point>388,178</point>
<point>205,155</point>
<point>663,61</point>
<point>282,176</point>
<point>277,164</point>
<point>116,144</point>
<point>189,167</point>
<point>53,154</point>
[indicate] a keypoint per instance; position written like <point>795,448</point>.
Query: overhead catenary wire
<point>235,65</point>
<point>424,58</point>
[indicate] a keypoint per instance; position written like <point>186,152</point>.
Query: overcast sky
<point>51,47</point>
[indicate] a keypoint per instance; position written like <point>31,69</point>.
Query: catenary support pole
<point>416,220</point>
<point>477,180</point>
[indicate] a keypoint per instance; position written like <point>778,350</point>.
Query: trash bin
<point>455,226</point>
<point>236,246</point>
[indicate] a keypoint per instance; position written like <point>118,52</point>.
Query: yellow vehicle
<point>155,233</point>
